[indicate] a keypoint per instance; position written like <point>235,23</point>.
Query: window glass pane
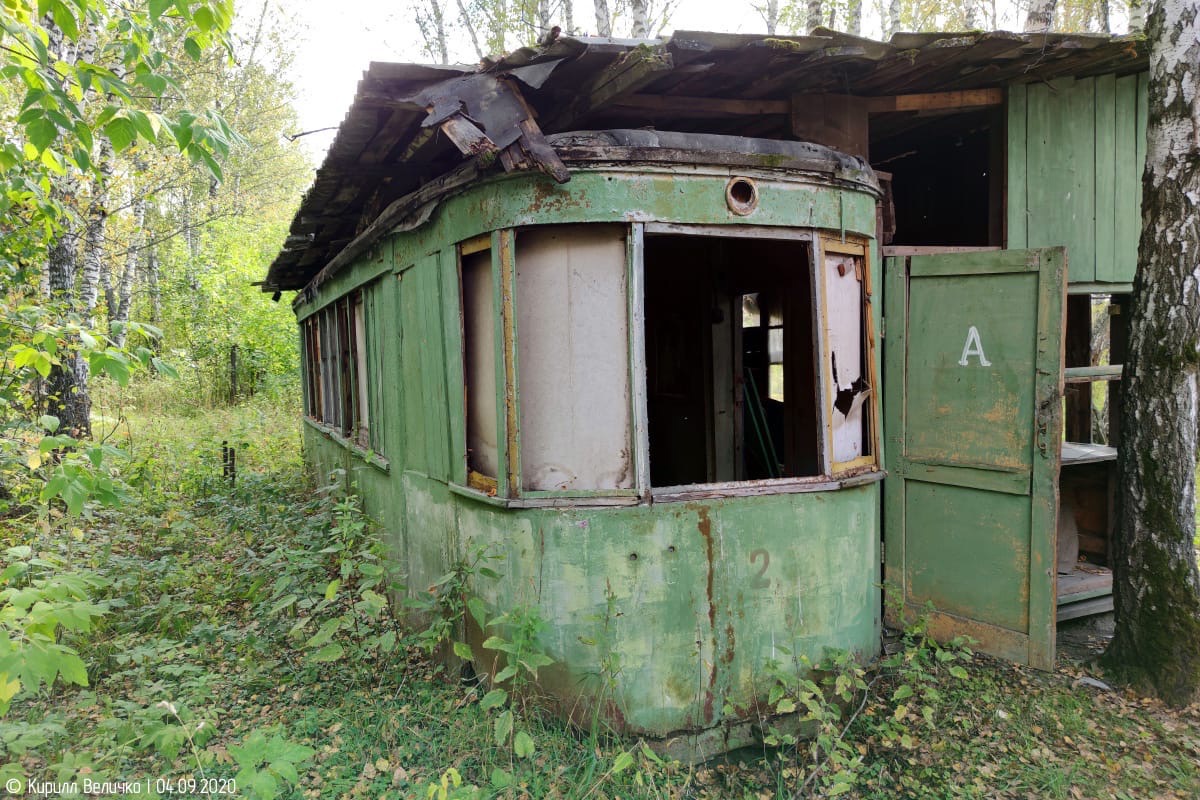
<point>479,364</point>
<point>573,358</point>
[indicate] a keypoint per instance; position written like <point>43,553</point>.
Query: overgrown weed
<point>244,632</point>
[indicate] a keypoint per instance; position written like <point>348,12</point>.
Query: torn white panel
<point>844,333</point>
<point>479,363</point>
<point>573,358</point>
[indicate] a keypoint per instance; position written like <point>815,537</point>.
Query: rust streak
<point>704,525</point>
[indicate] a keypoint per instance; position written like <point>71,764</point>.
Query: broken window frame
<point>336,347</point>
<point>859,249</point>
<point>506,488</point>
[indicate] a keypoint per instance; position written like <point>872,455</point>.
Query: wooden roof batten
<point>413,125</point>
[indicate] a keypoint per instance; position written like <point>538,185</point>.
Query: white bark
<point>814,14</point>
<point>125,293</point>
<point>1156,582</point>
<point>603,19</point>
<point>854,17</point>
<point>893,19</point>
<point>1137,15</point>
<point>1041,16</point>
<point>639,11</point>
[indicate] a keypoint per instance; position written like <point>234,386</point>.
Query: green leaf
<point>506,673</point>
<point>523,745</point>
<point>204,19</point>
<point>902,692</point>
<point>330,652</point>
<point>264,785</point>
<point>49,422</point>
<point>72,668</point>
<point>478,612</point>
<point>501,779</point>
<point>42,133</point>
<point>192,48</point>
<point>331,589</point>
<point>503,727</point>
<point>622,762</point>
<point>958,672</point>
<point>121,132</point>
<point>493,699</point>
<point>286,770</point>
<point>158,8</point>
<point>463,651</point>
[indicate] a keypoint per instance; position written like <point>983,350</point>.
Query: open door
<point>973,360</point>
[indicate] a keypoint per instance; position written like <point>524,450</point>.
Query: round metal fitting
<point>741,195</point>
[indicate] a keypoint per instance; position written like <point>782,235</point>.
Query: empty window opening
<point>479,366</point>
<point>947,176</point>
<point>730,369</point>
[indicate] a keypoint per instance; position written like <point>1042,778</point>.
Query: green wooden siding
<point>1075,155</point>
<point>695,597</point>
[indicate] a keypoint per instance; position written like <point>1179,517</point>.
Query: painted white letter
<point>973,347</point>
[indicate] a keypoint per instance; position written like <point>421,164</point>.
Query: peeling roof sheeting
<point>387,146</point>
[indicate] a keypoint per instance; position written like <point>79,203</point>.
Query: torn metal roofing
<point>410,124</point>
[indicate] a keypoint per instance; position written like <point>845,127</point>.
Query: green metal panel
<point>974,360</point>
<point>694,598</point>
<point>1075,155</point>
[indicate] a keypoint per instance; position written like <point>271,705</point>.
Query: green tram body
<point>691,590</point>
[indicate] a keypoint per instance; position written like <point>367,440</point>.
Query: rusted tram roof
<point>394,138</point>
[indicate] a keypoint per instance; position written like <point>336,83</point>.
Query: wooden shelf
<point>1080,453</point>
<point>1110,372</point>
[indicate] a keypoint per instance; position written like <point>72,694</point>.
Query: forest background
<point>157,619</point>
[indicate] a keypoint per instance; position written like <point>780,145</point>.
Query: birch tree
<point>1041,16</point>
<point>1156,585</point>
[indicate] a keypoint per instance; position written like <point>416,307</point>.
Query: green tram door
<point>973,419</point>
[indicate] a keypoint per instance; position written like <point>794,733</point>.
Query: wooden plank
<point>1087,608</point>
<point>1127,180</point>
<point>702,106</point>
<point>975,263</point>
<point>1108,372</point>
<point>1106,177</point>
<point>1016,226</point>
<point>433,368</point>
<point>452,338</point>
<point>923,250</point>
<point>835,120</point>
<point>1081,120</point>
<point>1140,161</point>
<point>635,264</point>
<point>1084,453</point>
<point>625,76</point>
<point>936,101</point>
<point>894,349</point>
<point>988,480</point>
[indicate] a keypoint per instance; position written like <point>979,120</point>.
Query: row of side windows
<point>335,368</point>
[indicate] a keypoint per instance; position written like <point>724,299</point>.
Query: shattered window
<point>847,328</point>
<point>334,343</point>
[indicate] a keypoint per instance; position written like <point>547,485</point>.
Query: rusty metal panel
<point>573,358</point>
<point>974,353</point>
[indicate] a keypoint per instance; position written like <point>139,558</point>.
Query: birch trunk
<point>639,11</point>
<point>466,21</point>
<point>67,395</point>
<point>770,15</point>
<point>125,293</point>
<point>1156,584</point>
<point>94,233</point>
<point>603,19</point>
<point>1041,16</point>
<point>814,14</point>
<point>854,17</point>
<point>1137,16</point>
<point>893,19</point>
<point>568,12</point>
